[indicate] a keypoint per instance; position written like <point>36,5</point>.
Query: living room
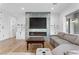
<point>50,29</point>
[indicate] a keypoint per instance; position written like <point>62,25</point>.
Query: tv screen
<point>37,23</point>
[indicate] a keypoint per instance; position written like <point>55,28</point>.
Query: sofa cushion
<point>63,48</point>
<point>55,37</point>
<point>59,40</point>
<point>72,52</point>
<point>77,41</point>
<point>61,34</point>
<point>71,38</point>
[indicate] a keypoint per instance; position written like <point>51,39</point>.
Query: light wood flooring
<point>13,45</point>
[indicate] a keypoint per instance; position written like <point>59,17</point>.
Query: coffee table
<point>32,40</point>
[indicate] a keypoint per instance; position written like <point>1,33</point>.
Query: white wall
<point>20,26</point>
<point>12,26</point>
<point>54,23</point>
<point>5,28</point>
<point>71,8</point>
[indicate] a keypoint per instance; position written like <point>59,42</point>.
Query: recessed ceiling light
<point>52,8</point>
<point>22,8</point>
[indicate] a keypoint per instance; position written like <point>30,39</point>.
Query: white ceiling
<point>33,7</point>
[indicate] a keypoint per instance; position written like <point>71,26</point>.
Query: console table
<point>37,40</point>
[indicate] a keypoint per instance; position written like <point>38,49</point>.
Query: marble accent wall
<point>37,14</point>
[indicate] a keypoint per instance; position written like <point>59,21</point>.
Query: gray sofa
<point>64,42</point>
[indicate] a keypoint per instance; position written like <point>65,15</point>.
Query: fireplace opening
<point>37,33</point>
<point>37,23</point>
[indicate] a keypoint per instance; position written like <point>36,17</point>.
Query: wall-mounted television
<point>37,23</point>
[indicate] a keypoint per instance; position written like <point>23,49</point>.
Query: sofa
<point>64,43</point>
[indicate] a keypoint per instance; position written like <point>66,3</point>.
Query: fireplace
<point>37,33</point>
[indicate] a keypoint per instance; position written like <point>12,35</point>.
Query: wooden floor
<point>21,46</point>
<point>32,47</point>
